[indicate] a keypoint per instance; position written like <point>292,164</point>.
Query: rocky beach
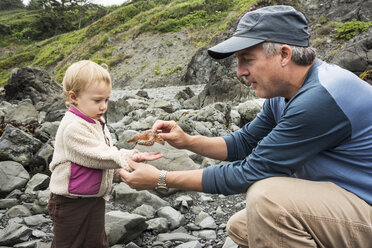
<point>205,97</point>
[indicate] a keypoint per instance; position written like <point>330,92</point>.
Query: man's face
<point>262,73</point>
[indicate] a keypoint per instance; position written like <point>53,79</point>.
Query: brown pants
<point>290,212</point>
<point>78,223</point>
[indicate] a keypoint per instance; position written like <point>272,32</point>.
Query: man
<point>305,161</point>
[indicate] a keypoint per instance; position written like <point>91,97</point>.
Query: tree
<point>35,5</point>
<point>11,4</point>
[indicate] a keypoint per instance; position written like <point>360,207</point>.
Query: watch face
<point>162,189</point>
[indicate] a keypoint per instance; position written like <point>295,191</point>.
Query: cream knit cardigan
<point>83,143</point>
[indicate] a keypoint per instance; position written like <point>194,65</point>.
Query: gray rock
<point>123,227</point>
<point>229,243</point>
<point>12,176</point>
<point>158,224</point>
<point>163,237</point>
<point>18,145</point>
<point>145,210</point>
<point>208,223</point>
<point>47,130</point>
<point>18,211</point>
<point>249,109</point>
<point>13,234</point>
<point>37,182</point>
<point>8,203</point>
<point>162,104</point>
<point>28,244</point>
<point>24,112</point>
<point>41,160</point>
<point>40,205</point>
<point>190,244</point>
<point>35,220</point>
<point>34,84</point>
<point>174,217</point>
<point>118,109</point>
<point>123,193</point>
<point>354,55</point>
<point>206,234</point>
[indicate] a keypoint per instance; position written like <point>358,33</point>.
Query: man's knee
<point>237,228</point>
<point>267,198</point>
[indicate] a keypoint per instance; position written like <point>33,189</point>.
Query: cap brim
<point>231,45</point>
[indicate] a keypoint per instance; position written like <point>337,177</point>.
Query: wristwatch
<point>162,185</point>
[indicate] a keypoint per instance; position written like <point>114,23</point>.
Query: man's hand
<point>172,133</point>
<point>143,176</point>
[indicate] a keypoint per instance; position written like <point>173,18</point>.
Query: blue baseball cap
<point>278,23</point>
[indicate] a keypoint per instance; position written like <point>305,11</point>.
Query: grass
<point>201,19</point>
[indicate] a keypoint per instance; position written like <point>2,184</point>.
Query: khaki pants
<point>290,212</point>
<point>78,223</point>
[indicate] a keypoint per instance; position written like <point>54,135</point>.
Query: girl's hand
<point>146,156</point>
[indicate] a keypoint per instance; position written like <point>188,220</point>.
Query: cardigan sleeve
<point>84,145</point>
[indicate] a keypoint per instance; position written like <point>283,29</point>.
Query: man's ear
<point>285,54</point>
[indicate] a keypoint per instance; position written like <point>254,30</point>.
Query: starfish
<point>147,138</point>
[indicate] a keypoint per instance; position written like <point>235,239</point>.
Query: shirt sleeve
<point>307,127</point>
<point>242,142</point>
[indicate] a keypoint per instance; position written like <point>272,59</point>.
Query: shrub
<point>350,29</point>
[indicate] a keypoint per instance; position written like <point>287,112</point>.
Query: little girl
<point>84,160</point>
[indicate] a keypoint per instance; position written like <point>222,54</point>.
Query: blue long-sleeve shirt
<point>324,133</point>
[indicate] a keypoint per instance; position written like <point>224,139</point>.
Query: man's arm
<point>145,176</point>
<point>212,147</point>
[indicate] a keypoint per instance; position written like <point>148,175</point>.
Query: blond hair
<point>81,74</point>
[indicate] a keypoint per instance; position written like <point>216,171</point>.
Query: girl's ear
<point>72,95</point>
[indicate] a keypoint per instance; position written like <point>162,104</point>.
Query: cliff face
<point>155,60</point>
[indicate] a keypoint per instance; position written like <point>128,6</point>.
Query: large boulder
<point>31,83</point>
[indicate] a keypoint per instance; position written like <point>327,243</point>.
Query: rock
<point>206,234</point>
<point>18,211</point>
<point>28,244</point>
<point>229,243</point>
<point>8,203</point>
<point>123,193</point>
<point>190,244</point>
<point>163,237</point>
<point>175,218</point>
<point>37,182</point>
<point>146,211</point>
<point>12,176</point>
<point>24,112</point>
<point>158,224</point>
<point>18,145</point>
<point>184,94</point>
<point>41,160</point>
<point>249,109</point>
<point>14,234</point>
<point>34,84</point>
<point>46,130</point>
<point>123,227</point>
<point>35,220</point>
<point>355,55</point>
<point>118,109</point>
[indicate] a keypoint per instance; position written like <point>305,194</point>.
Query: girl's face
<point>92,100</point>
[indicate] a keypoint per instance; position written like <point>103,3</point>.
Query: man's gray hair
<point>300,55</point>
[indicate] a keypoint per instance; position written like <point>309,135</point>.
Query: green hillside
<point>202,19</point>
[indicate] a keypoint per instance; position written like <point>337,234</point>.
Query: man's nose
<point>242,71</point>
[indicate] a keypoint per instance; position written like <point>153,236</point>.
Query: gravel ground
<point>207,203</point>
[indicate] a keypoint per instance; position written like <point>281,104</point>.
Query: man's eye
<point>97,101</point>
